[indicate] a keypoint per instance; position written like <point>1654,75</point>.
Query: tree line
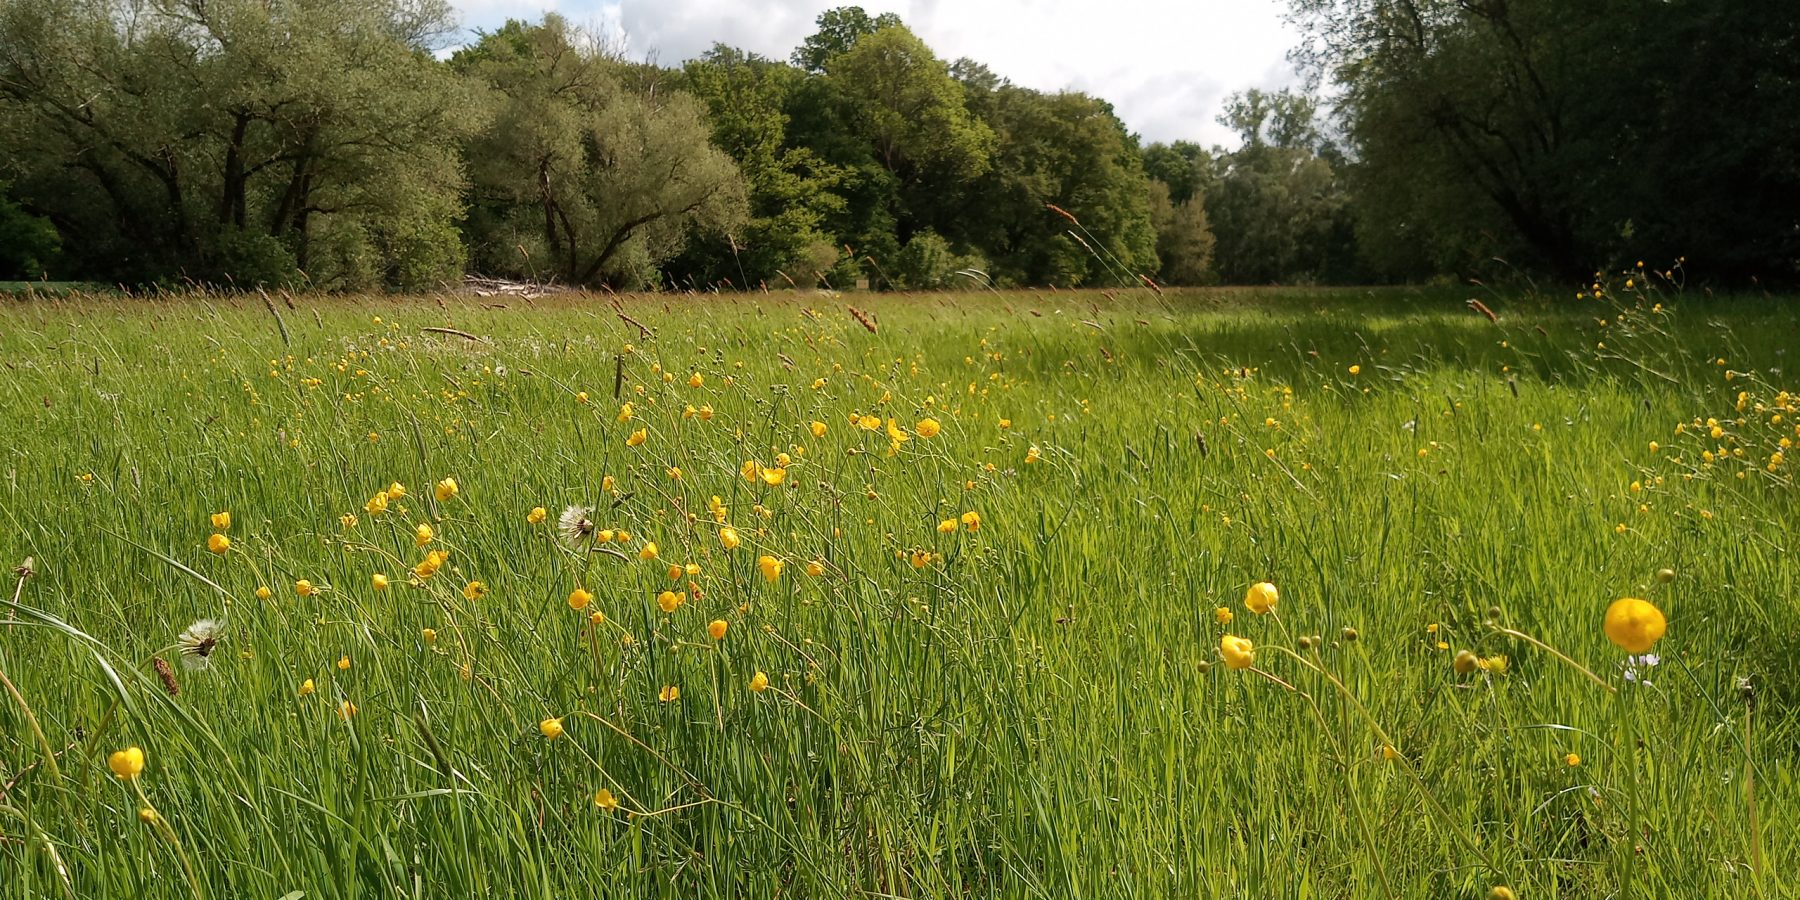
<point>326,144</point>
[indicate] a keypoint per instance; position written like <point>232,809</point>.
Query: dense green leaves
<point>583,175</point>
<point>1569,136</point>
<point>237,140</point>
<point>325,143</point>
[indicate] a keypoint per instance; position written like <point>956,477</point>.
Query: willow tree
<point>590,172</point>
<point>237,140</point>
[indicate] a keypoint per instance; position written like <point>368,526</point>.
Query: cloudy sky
<point>1166,65</point>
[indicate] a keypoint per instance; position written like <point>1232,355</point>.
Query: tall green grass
<point>1038,711</point>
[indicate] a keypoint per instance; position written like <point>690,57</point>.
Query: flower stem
<point>1438,808</point>
<point>1510,632</point>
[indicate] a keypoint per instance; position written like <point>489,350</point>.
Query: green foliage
<point>1184,167</point>
<point>1277,204</point>
<point>189,143</point>
<point>791,188</point>
<point>1567,136</point>
<point>248,259</point>
<point>29,245</point>
<point>324,142</point>
<point>839,30</point>
<point>1184,238</point>
<point>1068,151</point>
<point>595,179</point>
<point>904,102</point>
<point>928,262</point>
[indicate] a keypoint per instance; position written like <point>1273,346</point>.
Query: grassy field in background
<point>907,699</point>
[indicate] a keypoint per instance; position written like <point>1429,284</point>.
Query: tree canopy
<point>332,144</point>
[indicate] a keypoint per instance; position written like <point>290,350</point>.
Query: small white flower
<point>1634,663</point>
<point>198,642</point>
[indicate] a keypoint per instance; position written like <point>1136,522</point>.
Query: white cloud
<point>1166,65</point>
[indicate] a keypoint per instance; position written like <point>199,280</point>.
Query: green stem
<point>167,833</point>
<point>1558,654</point>
<point>1431,800</point>
<point>37,730</point>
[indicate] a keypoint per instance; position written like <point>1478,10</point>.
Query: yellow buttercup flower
<point>551,728</point>
<point>581,397</point>
<point>343,662</point>
<point>423,534</point>
<point>637,437</point>
<point>817,429</point>
<point>1033,454</point>
<point>1572,760</point>
<point>1465,662</point>
<point>946,526</point>
<point>1635,625</point>
<point>728,538</point>
<point>221,520</point>
<point>1223,615</point>
<point>928,428</point>
<point>306,687</point>
<point>305,588</point>
<point>669,694</point>
<point>669,601</point>
<point>126,764</point>
<point>759,682</point>
<point>1261,598</point>
<point>377,504</point>
<point>396,490</point>
<point>218,543</point>
<point>604,799</point>
<point>695,380</point>
<point>648,551</point>
<point>716,628</point>
<point>770,568</point>
<point>445,489</point>
<point>1238,652</point>
<point>378,581</point>
<point>537,515</point>
<point>579,598</point>
<point>345,710</point>
<point>474,590</point>
<point>815,568</point>
<point>773,476</point>
<point>1356,370</point>
<point>263,593</point>
<point>428,635</point>
<point>626,413</point>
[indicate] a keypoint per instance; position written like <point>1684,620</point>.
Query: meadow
<point>900,595</point>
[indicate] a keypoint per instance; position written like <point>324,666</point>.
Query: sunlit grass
<point>1029,701</point>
